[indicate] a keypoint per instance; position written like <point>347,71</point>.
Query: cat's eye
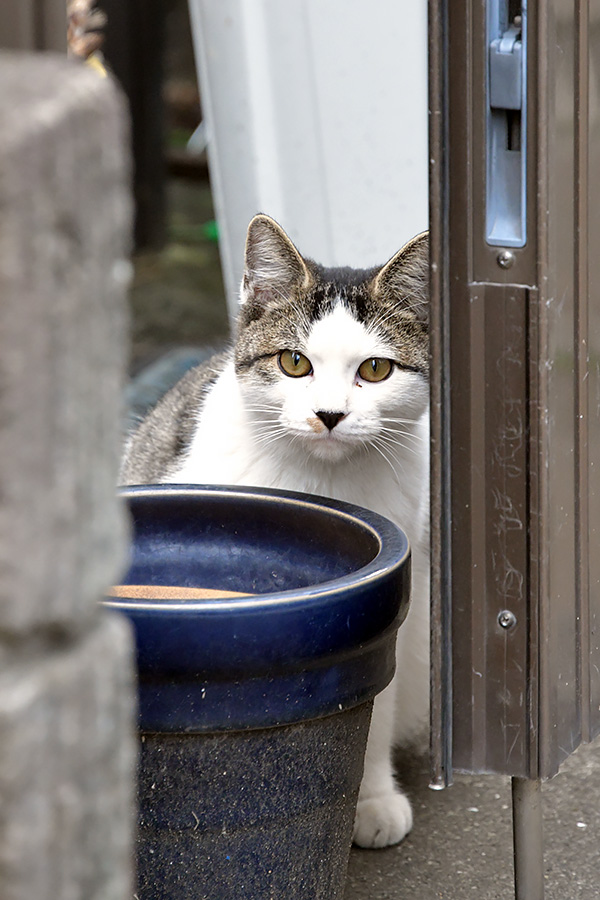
<point>294,363</point>
<point>375,369</point>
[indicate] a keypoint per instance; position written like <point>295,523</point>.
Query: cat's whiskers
<point>375,443</point>
<point>381,319</point>
<point>385,316</point>
<point>401,420</point>
<point>394,427</point>
<point>395,432</point>
<point>268,430</point>
<point>265,442</point>
<point>273,414</point>
<point>394,445</point>
<point>393,439</point>
<point>266,424</point>
<point>399,427</point>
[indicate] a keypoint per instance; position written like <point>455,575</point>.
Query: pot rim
<point>393,552</point>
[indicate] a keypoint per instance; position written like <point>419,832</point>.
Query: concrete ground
<point>461,844</point>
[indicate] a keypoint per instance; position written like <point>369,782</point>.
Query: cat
<point>325,391</point>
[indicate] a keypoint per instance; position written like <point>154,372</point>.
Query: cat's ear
<point>405,278</point>
<point>273,266</point>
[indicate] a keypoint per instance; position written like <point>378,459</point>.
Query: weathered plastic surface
<point>286,134</point>
<point>516,390</point>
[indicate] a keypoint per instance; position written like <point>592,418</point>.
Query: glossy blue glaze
<point>330,584</point>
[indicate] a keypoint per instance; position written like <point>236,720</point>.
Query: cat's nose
<point>330,419</point>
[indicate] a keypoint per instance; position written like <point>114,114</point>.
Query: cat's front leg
<point>383,813</point>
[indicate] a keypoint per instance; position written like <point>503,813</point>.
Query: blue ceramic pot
<point>254,709</point>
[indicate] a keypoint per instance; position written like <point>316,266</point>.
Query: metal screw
<point>505,259</point>
<point>507,619</point>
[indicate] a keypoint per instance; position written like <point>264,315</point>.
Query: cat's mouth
<point>332,445</point>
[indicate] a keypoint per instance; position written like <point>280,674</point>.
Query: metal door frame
<point>515,684</point>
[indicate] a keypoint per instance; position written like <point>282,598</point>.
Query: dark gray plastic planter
<point>254,711</point>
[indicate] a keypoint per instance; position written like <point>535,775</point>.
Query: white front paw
<point>382,821</point>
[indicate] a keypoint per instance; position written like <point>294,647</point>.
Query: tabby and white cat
<point>325,391</point>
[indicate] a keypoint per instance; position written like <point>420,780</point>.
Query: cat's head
<point>332,360</point>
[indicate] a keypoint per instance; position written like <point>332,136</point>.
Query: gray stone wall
<point>67,747</point>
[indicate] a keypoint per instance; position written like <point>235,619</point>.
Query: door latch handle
<point>506,133</point>
<point>506,59</point>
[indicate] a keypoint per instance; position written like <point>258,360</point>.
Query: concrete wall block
<point>64,187</point>
<point>67,760</point>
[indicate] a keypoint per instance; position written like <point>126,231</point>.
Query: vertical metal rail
<point>528,838</point>
<point>582,357</point>
<point>441,719</point>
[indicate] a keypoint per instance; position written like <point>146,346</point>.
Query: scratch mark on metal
<point>509,519</point>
